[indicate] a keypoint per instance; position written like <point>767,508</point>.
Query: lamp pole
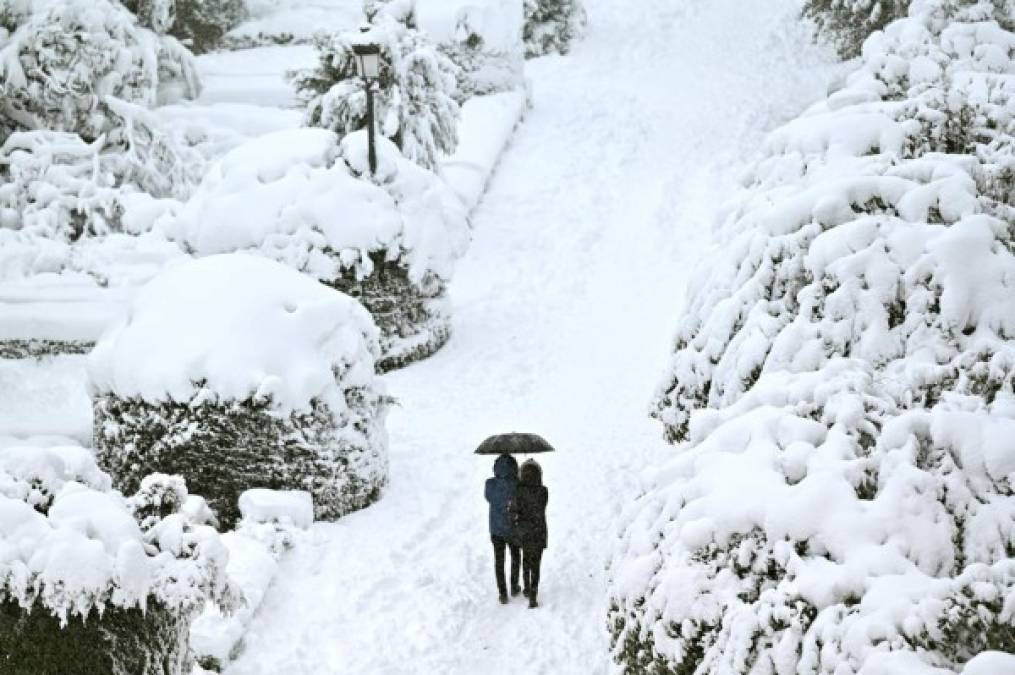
<point>368,58</point>
<point>371,153</point>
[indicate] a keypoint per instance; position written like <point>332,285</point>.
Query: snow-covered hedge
<point>236,372</point>
<point>83,582</point>
<point>303,198</point>
<point>414,104</point>
<point>844,496</point>
<point>551,26</point>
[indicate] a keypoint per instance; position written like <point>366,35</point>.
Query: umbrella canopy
<point>513,444</point>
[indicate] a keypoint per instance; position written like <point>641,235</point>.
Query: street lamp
<point>368,66</point>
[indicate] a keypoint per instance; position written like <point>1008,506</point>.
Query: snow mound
<point>236,327</point>
<point>71,544</point>
<point>990,663</point>
<point>261,505</point>
<point>844,387</point>
<point>303,198</point>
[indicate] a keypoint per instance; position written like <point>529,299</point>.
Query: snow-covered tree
<point>414,104</point>
<point>844,387</point>
<point>305,199</point>
<point>83,583</point>
<point>57,186</point>
<point>12,14</point>
<point>66,59</point>
<point>198,23</point>
<point>551,26</point>
<point>60,64</point>
<point>237,372</point>
<point>80,156</point>
<point>483,38</point>
<point>482,70</point>
<point>847,23</point>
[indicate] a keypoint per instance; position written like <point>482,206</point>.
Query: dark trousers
<point>531,558</point>
<point>498,563</point>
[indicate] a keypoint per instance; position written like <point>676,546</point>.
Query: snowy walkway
<point>564,307</point>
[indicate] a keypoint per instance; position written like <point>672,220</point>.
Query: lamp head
<point>368,60</point>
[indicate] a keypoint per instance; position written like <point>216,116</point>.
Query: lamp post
<point>368,66</point>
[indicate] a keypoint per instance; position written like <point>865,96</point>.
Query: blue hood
<point>506,466</point>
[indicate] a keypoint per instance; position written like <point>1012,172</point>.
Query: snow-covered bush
<point>483,38</point>
<point>305,199</point>
<point>272,522</point>
<point>483,71</point>
<point>198,23</point>
<point>66,59</point>
<point>237,372</point>
<point>551,26</point>
<point>414,104</point>
<point>82,583</point>
<point>847,23</point>
<point>56,185</point>
<point>844,387</point>
<point>79,155</point>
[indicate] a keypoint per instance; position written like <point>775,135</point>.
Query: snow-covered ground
<point>253,76</point>
<point>563,310</point>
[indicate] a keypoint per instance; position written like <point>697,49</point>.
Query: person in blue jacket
<point>500,492</point>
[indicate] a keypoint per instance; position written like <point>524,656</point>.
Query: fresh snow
<point>563,308</point>
<point>253,76</point>
<point>69,543</point>
<point>295,20</point>
<point>497,22</point>
<point>564,305</point>
<point>305,197</point>
<point>484,130</point>
<point>233,327</point>
<point>45,397</point>
<point>261,505</point>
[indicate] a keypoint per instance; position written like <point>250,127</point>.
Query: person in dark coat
<point>500,492</point>
<point>529,510</point>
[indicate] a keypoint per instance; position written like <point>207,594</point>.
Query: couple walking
<point>517,500</point>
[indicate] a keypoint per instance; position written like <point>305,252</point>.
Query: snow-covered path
<point>564,307</point>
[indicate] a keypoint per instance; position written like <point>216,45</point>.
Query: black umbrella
<point>513,444</point>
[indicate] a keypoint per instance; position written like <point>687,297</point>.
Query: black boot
<point>515,590</point>
<point>532,600</point>
<point>503,598</point>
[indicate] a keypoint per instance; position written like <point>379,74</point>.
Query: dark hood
<point>532,473</point>
<point>506,466</point>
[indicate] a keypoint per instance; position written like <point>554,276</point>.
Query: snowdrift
<point>842,389</point>
<point>237,372</point>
